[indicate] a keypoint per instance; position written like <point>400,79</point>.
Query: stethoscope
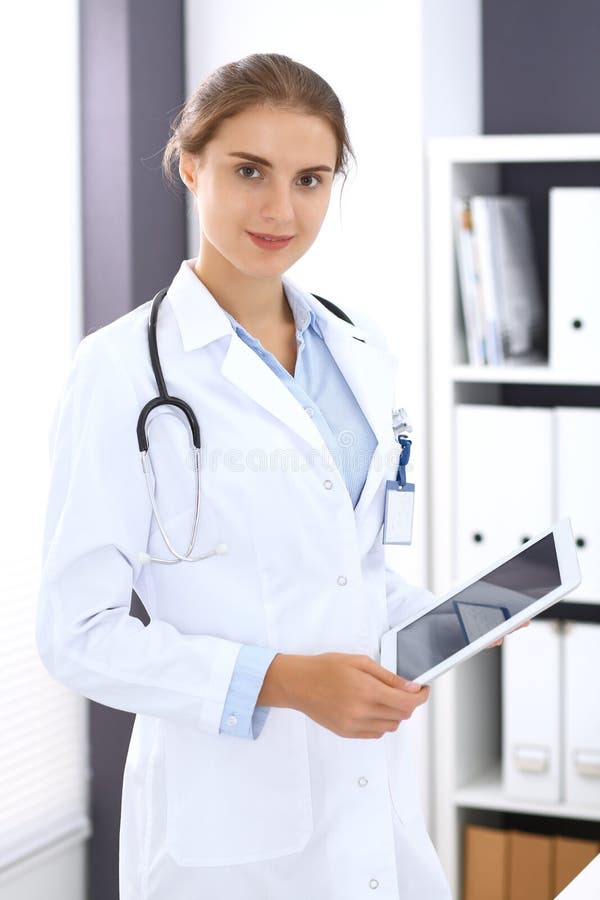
<point>165,400</point>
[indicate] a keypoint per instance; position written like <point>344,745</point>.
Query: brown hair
<point>258,79</point>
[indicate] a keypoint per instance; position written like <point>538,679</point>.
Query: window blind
<point>44,753</point>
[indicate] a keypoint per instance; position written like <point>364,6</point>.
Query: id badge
<point>398,513</point>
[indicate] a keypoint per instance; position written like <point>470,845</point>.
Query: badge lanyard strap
<point>405,443</point>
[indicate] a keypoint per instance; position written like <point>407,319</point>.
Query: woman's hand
<point>499,641</point>
<point>350,694</point>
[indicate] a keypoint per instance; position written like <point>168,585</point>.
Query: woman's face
<point>236,194</point>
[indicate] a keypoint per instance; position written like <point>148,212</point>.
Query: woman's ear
<point>187,170</point>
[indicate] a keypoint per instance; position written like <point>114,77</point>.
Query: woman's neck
<point>258,304</point>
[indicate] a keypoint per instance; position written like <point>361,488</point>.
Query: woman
<point>266,758</point>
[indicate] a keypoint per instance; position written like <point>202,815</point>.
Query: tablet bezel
<point>570,577</point>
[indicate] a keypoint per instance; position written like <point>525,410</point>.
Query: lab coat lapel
<point>369,370</point>
<point>201,320</point>
<point>247,371</point>
<point>367,367</point>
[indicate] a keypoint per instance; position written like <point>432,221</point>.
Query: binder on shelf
<point>585,885</point>
<point>469,283</point>
<point>485,864</point>
<point>499,864</point>
<point>510,286</point>
<point>502,480</point>
<point>577,485</point>
<point>531,712</point>
<point>571,856</point>
<point>530,866</point>
<point>574,274</point>
<point>581,734</point>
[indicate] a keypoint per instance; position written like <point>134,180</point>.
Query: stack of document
<point>550,713</point>
<point>505,318</point>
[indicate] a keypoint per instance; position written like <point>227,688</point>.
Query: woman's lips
<point>267,244</point>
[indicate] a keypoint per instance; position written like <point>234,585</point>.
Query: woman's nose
<point>277,203</point>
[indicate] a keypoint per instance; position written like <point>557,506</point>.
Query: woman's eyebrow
<point>265,162</point>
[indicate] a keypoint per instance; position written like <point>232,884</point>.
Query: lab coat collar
<point>201,319</point>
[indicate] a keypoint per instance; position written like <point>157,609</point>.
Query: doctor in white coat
<point>269,756</point>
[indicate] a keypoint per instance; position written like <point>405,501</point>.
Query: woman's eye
<point>243,169</point>
<point>247,168</point>
<point>311,176</point>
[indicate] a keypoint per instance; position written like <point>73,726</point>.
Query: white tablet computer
<point>468,618</point>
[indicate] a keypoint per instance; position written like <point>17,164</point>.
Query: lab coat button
<point>342,579</point>
<point>373,883</point>
<point>362,781</point>
<point>232,720</point>
<point>309,411</point>
<point>327,484</point>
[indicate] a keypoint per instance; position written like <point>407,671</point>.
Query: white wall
<point>370,254</point>
<point>452,89</point>
<point>41,326</point>
<point>402,71</point>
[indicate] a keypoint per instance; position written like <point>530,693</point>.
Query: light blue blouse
<point>320,387</point>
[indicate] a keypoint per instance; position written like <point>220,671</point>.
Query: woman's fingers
<point>495,643</point>
<point>500,640</point>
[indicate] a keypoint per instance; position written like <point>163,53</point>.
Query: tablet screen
<point>473,611</point>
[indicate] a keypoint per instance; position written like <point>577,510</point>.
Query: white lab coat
<point>300,812</point>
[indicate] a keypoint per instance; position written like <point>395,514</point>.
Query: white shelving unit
<point>485,792</point>
<point>466,703</point>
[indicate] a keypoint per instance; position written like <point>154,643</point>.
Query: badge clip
<point>399,494</point>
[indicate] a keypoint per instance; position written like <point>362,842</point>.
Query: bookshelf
<point>466,702</point>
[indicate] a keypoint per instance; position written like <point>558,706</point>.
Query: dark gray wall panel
<point>541,66</point>
<point>105,150</point>
<point>156,87</point>
<point>134,238</point>
<point>132,84</point>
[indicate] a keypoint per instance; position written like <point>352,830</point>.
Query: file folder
<point>577,484</point>
<point>530,866</point>
<point>571,856</point>
<point>531,712</point>
<point>586,886</point>
<point>581,741</point>
<point>485,864</point>
<point>574,270</point>
<point>502,480</point>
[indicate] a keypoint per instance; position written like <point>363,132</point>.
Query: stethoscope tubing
<point>165,399</point>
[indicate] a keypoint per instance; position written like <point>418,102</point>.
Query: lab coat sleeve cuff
<point>241,716</point>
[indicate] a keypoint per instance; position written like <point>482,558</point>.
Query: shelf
<point>532,374</point>
<point>464,166</point>
<point>516,148</point>
<point>486,793</point>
